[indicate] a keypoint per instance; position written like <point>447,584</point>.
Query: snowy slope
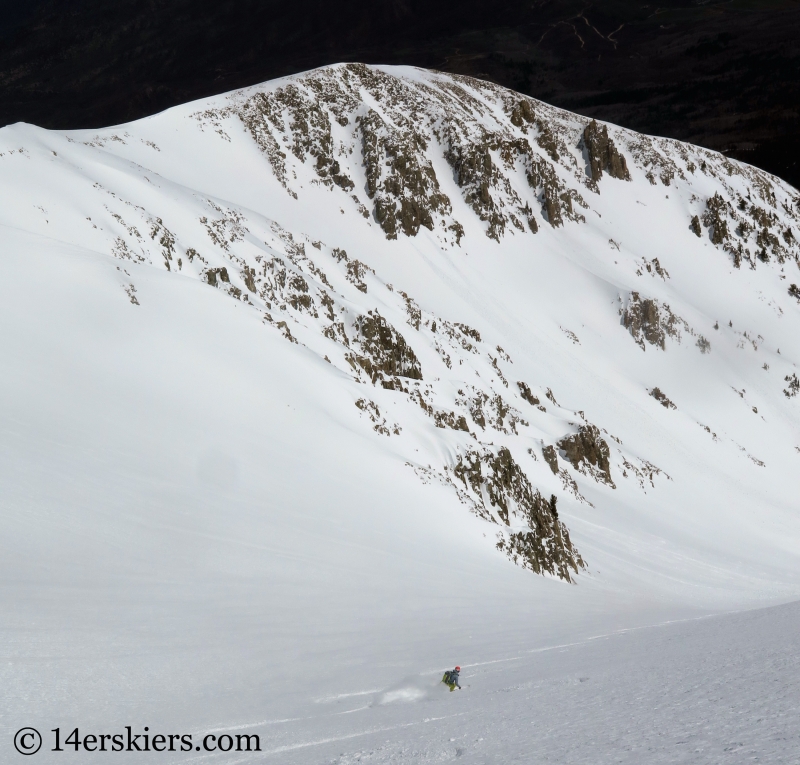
<point>346,376</point>
<point>717,690</point>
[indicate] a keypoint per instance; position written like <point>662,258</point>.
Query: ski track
<point>710,689</point>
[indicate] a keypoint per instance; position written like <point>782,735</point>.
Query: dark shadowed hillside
<point>725,75</point>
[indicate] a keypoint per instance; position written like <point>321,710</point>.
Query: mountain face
<point>341,364</point>
<point>663,245</point>
<point>631,255</point>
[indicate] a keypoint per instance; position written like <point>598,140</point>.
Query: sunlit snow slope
<point>370,370</point>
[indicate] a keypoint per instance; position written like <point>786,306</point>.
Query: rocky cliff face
<point>451,166</point>
<point>361,122</point>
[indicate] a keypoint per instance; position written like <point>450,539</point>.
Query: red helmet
<point>458,669</point>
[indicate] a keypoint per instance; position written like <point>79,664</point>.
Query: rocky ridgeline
<point>381,140</point>
<point>377,136</point>
<point>353,121</point>
<point>357,122</point>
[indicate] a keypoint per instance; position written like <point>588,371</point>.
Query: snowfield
<point>311,391</point>
<point>719,690</point>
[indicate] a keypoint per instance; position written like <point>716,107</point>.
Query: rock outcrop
<point>603,154</point>
<point>543,544</point>
<point>588,452</point>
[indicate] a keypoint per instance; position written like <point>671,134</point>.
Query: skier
<point>450,679</point>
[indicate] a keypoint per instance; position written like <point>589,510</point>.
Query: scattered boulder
<point>643,320</point>
<point>380,425</point>
<point>652,322</point>
<point>547,140</point>
<point>476,173</point>
<point>213,273</point>
<point>715,218</point>
<point>662,399</point>
<point>522,112</point>
<point>588,452</point>
<point>384,350</point>
<point>603,154</point>
<point>356,271</point>
<point>450,420</point>
<point>525,392</point>
<point>468,331</point>
<point>551,458</point>
<point>552,205</point>
<point>248,274</point>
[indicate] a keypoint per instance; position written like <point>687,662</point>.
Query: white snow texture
<point>314,390</point>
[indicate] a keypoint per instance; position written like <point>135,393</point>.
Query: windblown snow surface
<point>311,391</point>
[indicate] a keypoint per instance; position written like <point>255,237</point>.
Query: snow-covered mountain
<point>302,368</point>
